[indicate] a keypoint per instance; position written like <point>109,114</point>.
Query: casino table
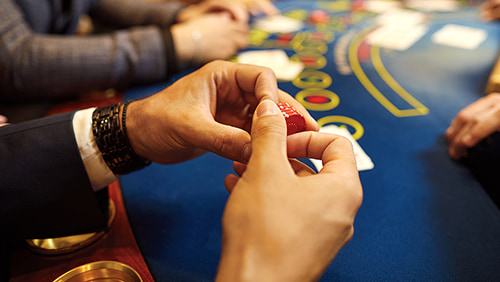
<point>424,216</point>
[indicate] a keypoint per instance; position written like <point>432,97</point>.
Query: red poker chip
<point>295,121</point>
<point>319,17</point>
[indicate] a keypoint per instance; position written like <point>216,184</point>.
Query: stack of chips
<point>295,121</point>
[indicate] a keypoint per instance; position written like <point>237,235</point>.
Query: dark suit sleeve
<point>44,188</point>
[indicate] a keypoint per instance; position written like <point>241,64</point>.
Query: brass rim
<point>68,244</point>
<point>96,271</point>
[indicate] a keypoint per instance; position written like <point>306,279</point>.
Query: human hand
<point>212,43</point>
<point>3,120</point>
<point>472,124</point>
<point>283,222</point>
<point>236,11</point>
<point>490,10</point>
<point>207,110</point>
<point>256,7</point>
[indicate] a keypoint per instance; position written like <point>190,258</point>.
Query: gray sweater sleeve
<point>40,65</point>
<point>127,13</point>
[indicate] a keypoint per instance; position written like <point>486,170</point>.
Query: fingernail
<point>266,108</point>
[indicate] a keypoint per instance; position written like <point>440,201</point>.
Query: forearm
<point>50,66</point>
<point>42,65</point>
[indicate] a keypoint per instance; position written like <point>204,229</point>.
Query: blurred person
<point>42,57</point>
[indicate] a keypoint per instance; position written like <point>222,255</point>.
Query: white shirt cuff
<point>98,171</point>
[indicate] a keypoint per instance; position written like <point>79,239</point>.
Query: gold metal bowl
<point>102,271</point>
<point>68,244</point>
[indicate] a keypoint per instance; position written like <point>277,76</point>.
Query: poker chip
<point>319,17</point>
<point>295,121</point>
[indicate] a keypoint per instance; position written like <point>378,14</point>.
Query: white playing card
<point>278,24</point>
<point>435,5</point>
<point>398,29</point>
<point>363,161</point>
<point>460,36</point>
<point>380,6</point>
<point>275,59</point>
<point>401,17</point>
<point>398,37</point>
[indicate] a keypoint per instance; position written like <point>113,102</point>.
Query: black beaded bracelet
<point>111,137</point>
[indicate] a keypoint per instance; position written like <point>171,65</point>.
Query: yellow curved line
<point>365,81</point>
<point>358,127</point>
<point>386,76</point>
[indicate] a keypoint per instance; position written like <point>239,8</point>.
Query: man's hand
<point>198,41</point>
<point>490,10</point>
<point>472,124</point>
<point>236,10</point>
<point>256,7</point>
<point>208,110</point>
<point>282,221</point>
<point>3,120</point>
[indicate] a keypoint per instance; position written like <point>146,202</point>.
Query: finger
<point>269,138</point>
<point>311,123</point>
<point>457,124</point>
<point>335,151</point>
<point>265,7</point>
<point>300,168</point>
<point>227,141</point>
<point>240,37</point>
<point>457,149</point>
<point>238,13</point>
<point>239,168</point>
<point>478,128</point>
<point>487,125</point>
<point>230,181</point>
<point>233,81</point>
<point>451,131</point>
<point>464,116</point>
<point>467,119</point>
<point>490,10</point>
<point>254,11</point>
<point>258,80</point>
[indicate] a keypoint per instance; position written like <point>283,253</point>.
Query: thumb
<point>268,134</point>
<point>224,140</point>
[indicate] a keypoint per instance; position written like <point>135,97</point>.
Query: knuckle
<point>462,116</point>
<point>267,129</point>
<point>349,233</point>
<point>343,143</point>
<point>357,198</point>
<point>223,142</point>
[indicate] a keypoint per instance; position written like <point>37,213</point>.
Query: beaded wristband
<point>111,137</point>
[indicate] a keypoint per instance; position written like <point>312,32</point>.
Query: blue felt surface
<point>424,217</point>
